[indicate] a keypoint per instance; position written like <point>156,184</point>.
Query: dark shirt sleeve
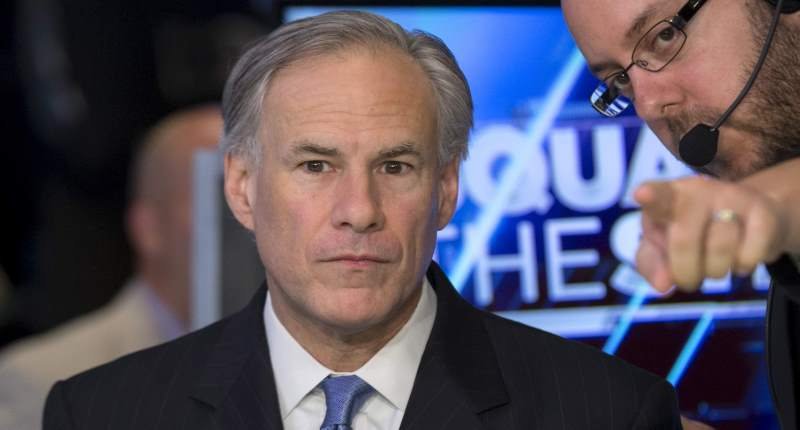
<point>659,409</point>
<point>56,410</point>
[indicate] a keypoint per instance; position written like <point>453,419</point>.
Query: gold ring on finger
<point>725,215</point>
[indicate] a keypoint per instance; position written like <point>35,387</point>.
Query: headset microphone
<point>699,146</point>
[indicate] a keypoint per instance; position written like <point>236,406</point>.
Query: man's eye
<point>316,166</point>
<point>665,41</point>
<point>395,167</point>
<point>621,81</point>
<point>667,34</point>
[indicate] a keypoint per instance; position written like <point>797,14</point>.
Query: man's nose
<point>654,93</point>
<point>357,204</point>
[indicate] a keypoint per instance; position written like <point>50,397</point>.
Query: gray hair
<point>242,100</point>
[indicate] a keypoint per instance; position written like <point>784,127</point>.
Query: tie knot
<point>343,396</point>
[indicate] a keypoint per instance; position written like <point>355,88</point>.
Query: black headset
<point>698,147</point>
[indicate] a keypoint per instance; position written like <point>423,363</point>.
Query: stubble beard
<point>769,114</point>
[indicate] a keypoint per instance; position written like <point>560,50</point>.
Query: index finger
<point>656,199</point>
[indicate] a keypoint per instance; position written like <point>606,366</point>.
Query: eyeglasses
<point>654,51</point>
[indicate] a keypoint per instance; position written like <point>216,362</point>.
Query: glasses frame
<point>608,94</point>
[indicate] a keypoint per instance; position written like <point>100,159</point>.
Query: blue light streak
<point>536,131</point>
<point>700,332</point>
<point>626,319</point>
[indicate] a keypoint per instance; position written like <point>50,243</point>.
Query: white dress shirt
<point>391,372</point>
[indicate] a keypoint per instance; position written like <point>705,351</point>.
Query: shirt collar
<point>296,371</point>
<point>391,371</point>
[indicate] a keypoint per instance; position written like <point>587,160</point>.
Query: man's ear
<point>141,221</point>
<point>448,192</point>
<point>239,186</point>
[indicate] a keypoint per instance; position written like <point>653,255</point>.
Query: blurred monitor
<point>546,227</point>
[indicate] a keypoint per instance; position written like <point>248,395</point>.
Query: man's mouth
<point>357,260</point>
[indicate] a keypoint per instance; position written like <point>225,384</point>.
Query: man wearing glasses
<point>719,84</point>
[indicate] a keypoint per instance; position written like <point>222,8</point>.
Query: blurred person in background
<point>72,129</point>
<point>685,66</point>
<point>153,307</point>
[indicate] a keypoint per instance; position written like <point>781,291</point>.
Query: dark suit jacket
<point>783,340</point>
<point>478,371</point>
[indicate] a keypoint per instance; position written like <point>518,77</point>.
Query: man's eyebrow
<point>405,148</point>
<point>632,36</point>
<point>638,25</point>
<point>597,69</point>
<point>307,147</point>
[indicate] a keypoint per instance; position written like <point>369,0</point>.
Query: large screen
<point>546,228</point>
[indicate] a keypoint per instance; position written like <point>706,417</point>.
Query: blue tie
<point>344,395</point>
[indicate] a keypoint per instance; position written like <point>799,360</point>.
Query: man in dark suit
<point>343,139</point>
<point>686,65</point>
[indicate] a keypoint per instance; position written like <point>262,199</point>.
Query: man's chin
<point>353,311</point>
<point>351,322</point>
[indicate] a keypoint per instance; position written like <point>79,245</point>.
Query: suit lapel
<point>237,381</point>
<point>457,382</point>
<point>458,378</point>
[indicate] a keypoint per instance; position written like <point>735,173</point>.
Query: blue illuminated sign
<point>546,223</point>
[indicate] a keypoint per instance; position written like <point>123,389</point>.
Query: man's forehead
<point>387,148</point>
<point>350,76</point>
<point>605,28</point>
